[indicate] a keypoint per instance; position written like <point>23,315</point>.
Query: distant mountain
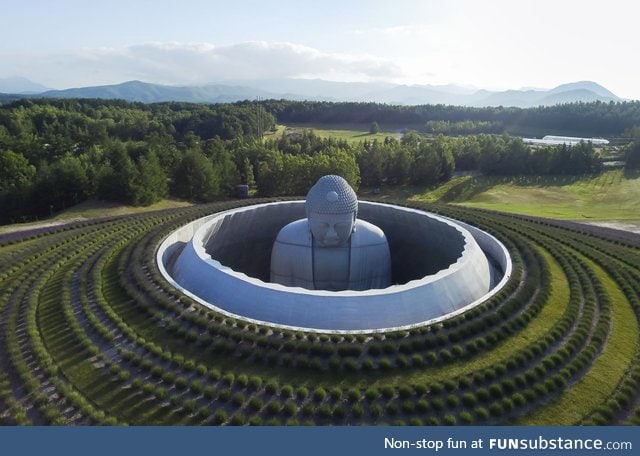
<point>585,91</point>
<point>572,96</point>
<point>319,90</point>
<point>19,85</point>
<point>314,89</point>
<point>153,93</point>
<point>414,95</point>
<point>519,98</point>
<point>585,85</point>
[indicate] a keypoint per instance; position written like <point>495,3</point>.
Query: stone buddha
<point>331,249</point>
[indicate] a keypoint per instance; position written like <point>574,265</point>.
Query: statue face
<point>331,230</point>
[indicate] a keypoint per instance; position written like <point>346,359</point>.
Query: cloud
<point>201,63</point>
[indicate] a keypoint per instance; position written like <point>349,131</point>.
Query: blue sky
<point>496,44</point>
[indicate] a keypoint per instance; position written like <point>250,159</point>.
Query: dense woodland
<point>57,153</point>
<point>583,119</point>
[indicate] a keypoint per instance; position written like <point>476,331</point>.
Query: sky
<point>491,44</point>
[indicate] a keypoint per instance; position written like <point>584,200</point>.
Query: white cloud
<point>201,63</point>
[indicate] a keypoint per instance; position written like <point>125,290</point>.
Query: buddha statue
<point>331,249</point>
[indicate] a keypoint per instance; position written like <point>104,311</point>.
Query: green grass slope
<point>91,333</point>
<point>613,195</point>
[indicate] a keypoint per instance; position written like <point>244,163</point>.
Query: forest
<point>583,119</point>
<point>58,153</point>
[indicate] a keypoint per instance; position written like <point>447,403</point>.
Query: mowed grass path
<point>603,377</point>
<point>612,195</point>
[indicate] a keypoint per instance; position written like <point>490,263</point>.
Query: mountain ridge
<point>321,90</point>
<point>19,85</point>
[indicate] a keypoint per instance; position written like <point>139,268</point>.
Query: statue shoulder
<point>295,233</point>
<point>367,234</point>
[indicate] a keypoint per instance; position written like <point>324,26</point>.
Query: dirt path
<point>19,227</point>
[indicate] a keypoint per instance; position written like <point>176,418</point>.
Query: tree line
<point>57,153</point>
<point>583,119</point>
<point>507,156</point>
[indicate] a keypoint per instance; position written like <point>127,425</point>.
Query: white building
<point>551,140</point>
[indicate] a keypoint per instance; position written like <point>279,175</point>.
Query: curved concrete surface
<point>453,272</point>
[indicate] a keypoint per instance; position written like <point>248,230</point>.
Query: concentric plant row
<point>90,333</point>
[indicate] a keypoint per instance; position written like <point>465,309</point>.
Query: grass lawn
<point>350,133</point>
<point>612,195</point>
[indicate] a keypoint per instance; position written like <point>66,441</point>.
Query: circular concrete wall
<point>440,268</point>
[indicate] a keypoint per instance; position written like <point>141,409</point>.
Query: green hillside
<point>613,195</point>
<point>93,334</point>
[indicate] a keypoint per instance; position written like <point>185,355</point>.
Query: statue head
<point>332,206</point>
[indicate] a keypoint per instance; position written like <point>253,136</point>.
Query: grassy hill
<point>613,195</point>
<point>93,335</point>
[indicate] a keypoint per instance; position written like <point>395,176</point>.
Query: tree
<point>584,159</point>
<point>491,155</point>
<point>516,160</point>
<point>149,184</point>
<point>247,175</point>
<point>399,165</point>
<point>224,165</point>
<point>447,163</point>
<point>374,128</point>
<point>372,160</point>
<point>195,178</point>
<point>432,161</point>
<point>466,153</point>
<point>334,161</point>
<point>16,173</point>
<point>411,139</point>
<point>426,165</point>
<point>632,154</point>
<point>16,181</point>
<point>117,174</point>
<point>541,160</point>
<point>61,184</point>
<point>270,178</point>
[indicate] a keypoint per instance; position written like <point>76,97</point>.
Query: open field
<point>350,133</point>
<point>612,195</point>
<point>90,333</point>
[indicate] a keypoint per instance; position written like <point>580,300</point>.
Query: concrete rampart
<point>440,269</point>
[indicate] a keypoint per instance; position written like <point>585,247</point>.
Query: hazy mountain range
<point>319,90</point>
<point>19,85</point>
